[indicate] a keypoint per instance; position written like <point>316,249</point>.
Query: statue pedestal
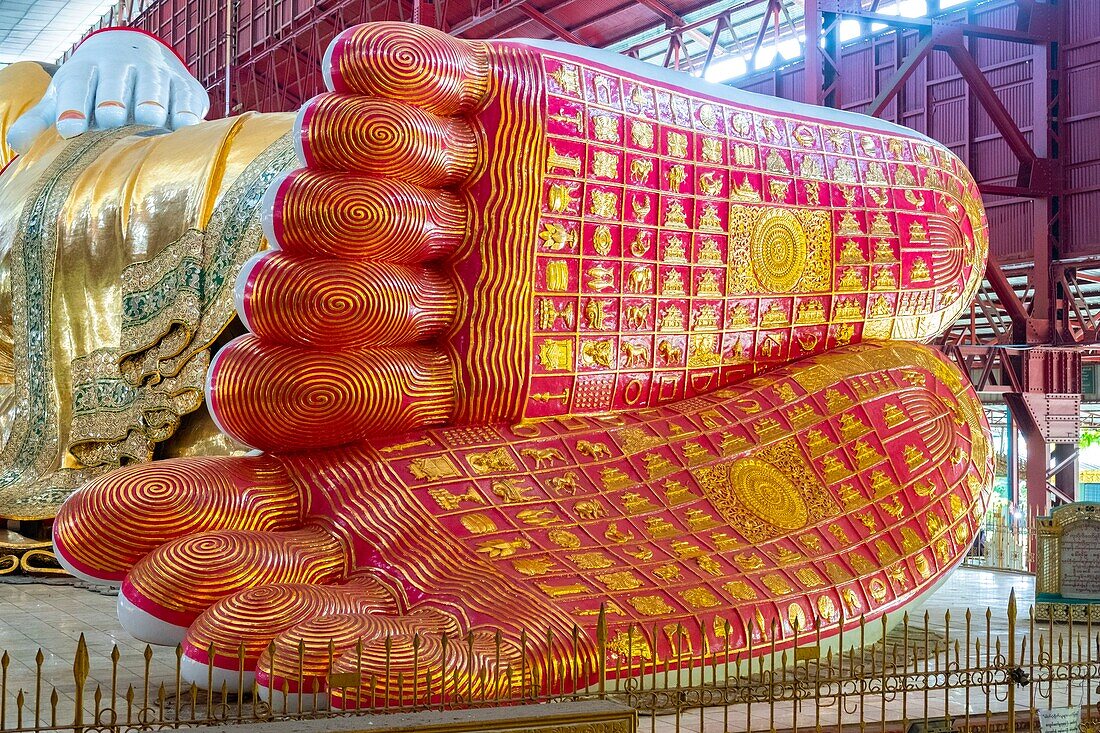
<point>22,554</point>
<point>1067,578</point>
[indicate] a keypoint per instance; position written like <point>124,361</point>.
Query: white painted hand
<point>114,78</point>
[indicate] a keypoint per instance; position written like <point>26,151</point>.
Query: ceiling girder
<point>550,24</point>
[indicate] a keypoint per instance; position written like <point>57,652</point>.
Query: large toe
<point>387,138</point>
<point>277,397</point>
<point>171,586</point>
<point>410,669</point>
<point>436,72</point>
<point>294,671</point>
<point>336,304</point>
<point>226,641</point>
<point>104,529</point>
<point>349,216</point>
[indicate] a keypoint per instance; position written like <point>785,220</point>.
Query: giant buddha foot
<point>552,345</point>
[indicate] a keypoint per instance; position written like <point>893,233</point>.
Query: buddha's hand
<point>114,78</point>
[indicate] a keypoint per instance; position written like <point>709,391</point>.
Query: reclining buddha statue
<point>554,348</point>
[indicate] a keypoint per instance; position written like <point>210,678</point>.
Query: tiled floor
<point>51,616</point>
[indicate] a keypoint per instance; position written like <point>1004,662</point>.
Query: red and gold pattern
<point>627,243</point>
<point>346,217</point>
<point>276,609</point>
<point>162,505</point>
<point>361,303</point>
<point>845,484</point>
<point>842,485</point>
<point>545,336</point>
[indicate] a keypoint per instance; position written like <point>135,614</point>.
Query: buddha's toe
<point>425,667</point>
<point>325,303</point>
<point>171,586</point>
<point>436,72</point>
<point>279,397</point>
<point>298,669</point>
<point>346,316</point>
<point>104,529</point>
<point>225,642</point>
<point>339,215</point>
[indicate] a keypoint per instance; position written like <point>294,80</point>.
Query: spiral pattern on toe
<point>179,580</point>
<point>114,521</point>
<point>422,667</point>
<point>388,138</point>
<point>327,303</point>
<point>275,397</point>
<point>321,213</point>
<point>420,65</point>
<point>400,126</point>
<point>255,616</point>
<point>308,651</point>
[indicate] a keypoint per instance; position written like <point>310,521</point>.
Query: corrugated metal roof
<point>42,30</point>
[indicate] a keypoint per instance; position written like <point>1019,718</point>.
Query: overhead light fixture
<point>790,49</point>
<point>764,57</point>
<point>913,8</point>
<point>726,69</point>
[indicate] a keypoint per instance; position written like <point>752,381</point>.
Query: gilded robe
<point>118,254</point>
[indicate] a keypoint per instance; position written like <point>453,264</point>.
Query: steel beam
<point>1064,455</point>
<point>698,23</point>
<point>498,7</point>
<point>770,13</point>
<point>1024,328</point>
<point>915,58</point>
<point>1012,459</point>
<point>550,24</point>
<point>671,19</point>
<point>1038,489</point>
<point>969,30</point>
<point>821,74</point>
<point>988,98</point>
<point>1037,457</point>
<point>992,189</point>
<point>719,27</point>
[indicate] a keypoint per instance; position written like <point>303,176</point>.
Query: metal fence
<point>990,670</point>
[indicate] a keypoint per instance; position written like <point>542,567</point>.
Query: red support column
<point>1038,456</point>
<point>813,77</point>
<point>1065,465</point>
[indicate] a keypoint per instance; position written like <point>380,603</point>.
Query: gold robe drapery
<point>118,254</point>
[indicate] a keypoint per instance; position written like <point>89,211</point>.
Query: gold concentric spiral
<point>388,138</point>
<point>253,617</point>
<point>778,251</point>
<point>331,303</point>
<point>184,577</point>
<point>277,397</point>
<point>413,63</point>
<point>427,666</point>
<point>144,506</point>
<point>324,213</point>
<point>309,649</point>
